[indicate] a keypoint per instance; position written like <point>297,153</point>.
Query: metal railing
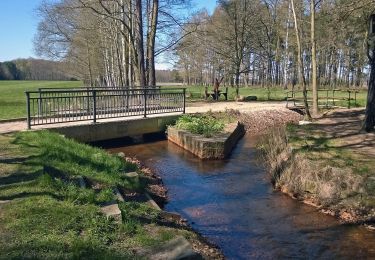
<point>327,97</point>
<point>53,106</point>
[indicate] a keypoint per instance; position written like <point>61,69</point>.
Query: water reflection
<point>232,203</point>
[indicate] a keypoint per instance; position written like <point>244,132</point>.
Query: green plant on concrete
<point>205,125</point>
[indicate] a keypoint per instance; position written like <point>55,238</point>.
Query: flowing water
<point>232,203</point>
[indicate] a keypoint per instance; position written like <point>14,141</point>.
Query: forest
<point>261,42</point>
<point>33,69</point>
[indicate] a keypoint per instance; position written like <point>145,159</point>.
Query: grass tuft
<point>205,125</point>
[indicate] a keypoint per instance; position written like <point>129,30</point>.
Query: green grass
<point>263,94</point>
<point>273,94</point>
<point>316,146</point>
<point>13,99</point>
<point>50,217</point>
<point>206,124</point>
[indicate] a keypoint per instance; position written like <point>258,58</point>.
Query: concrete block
<point>217,147</point>
<point>131,175</point>
<point>81,182</point>
<point>118,194</point>
<point>112,211</point>
<point>151,202</point>
<point>178,248</point>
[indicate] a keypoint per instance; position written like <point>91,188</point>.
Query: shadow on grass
<point>54,249</point>
<point>20,177</point>
<point>31,194</point>
<point>16,160</point>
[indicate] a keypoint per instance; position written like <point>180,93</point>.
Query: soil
<point>345,125</point>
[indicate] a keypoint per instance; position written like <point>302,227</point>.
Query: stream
<point>232,204</point>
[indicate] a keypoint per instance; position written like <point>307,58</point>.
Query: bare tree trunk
<point>369,123</point>
<point>139,52</point>
<point>151,43</point>
<point>313,61</point>
<point>300,63</point>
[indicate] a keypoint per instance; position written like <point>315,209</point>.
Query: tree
<point>313,59</point>
<point>301,71</point>
<point>369,122</point>
<point>106,42</point>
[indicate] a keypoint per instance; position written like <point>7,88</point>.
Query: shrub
<point>205,125</point>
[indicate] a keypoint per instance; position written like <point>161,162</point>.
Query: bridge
<point>55,106</point>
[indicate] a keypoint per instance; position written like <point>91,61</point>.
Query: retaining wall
<point>217,147</point>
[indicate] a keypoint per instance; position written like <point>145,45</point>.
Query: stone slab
<point>151,202</point>
<point>131,175</point>
<point>178,248</point>
<point>81,182</point>
<point>118,195</point>
<point>112,211</point>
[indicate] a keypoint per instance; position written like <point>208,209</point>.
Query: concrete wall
<point>217,147</point>
<point>116,129</point>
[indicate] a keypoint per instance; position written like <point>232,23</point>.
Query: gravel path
<point>196,107</point>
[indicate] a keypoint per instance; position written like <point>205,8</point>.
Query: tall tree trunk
<point>139,52</point>
<point>151,43</point>
<point>286,59</point>
<point>369,123</point>
<point>313,61</point>
<point>301,73</point>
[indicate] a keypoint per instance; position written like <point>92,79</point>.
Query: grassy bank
<point>48,215</point>
<point>13,99</point>
<point>310,164</point>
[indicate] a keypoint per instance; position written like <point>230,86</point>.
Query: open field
<point>13,100</point>
<point>12,95</point>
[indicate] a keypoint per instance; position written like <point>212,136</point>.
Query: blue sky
<point>18,23</point>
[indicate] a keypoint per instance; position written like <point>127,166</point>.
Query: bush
<point>205,125</point>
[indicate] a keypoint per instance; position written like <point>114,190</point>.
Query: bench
<point>216,95</point>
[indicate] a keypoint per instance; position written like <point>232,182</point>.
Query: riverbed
<point>233,204</point>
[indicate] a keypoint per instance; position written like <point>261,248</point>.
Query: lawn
<point>13,99</point>
<point>50,216</point>
<point>273,94</point>
<point>263,94</point>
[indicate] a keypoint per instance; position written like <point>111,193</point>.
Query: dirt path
<point>196,107</point>
<point>344,126</point>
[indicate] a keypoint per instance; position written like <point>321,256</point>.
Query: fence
<point>327,97</point>
<point>53,106</point>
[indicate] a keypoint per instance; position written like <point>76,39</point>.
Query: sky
<point>19,21</point>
